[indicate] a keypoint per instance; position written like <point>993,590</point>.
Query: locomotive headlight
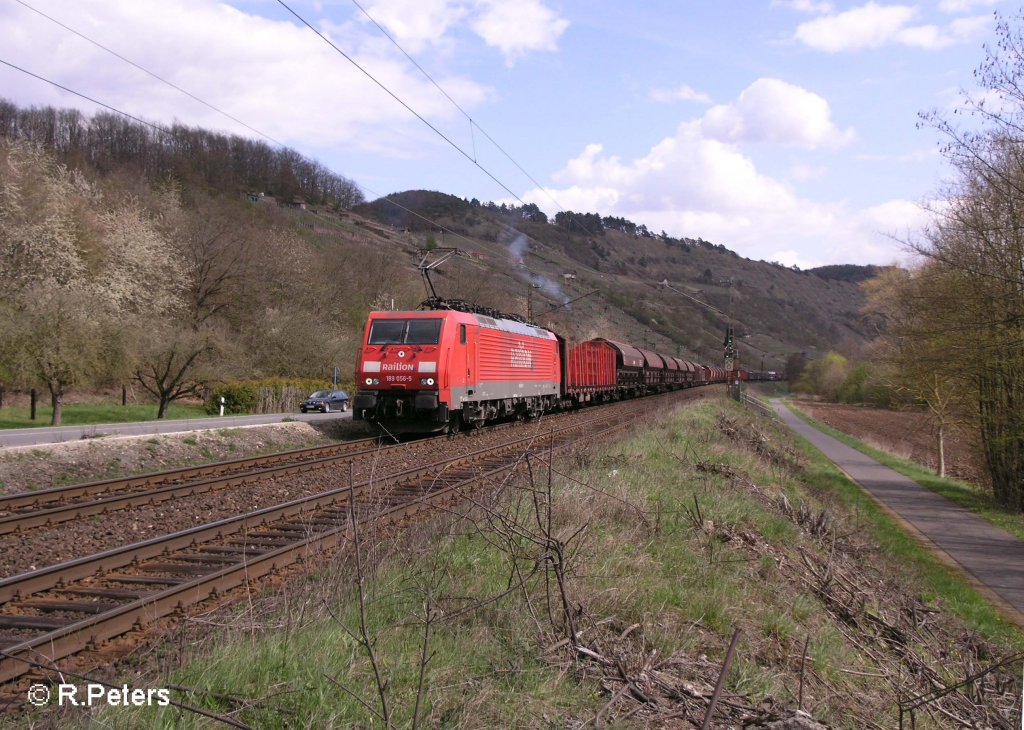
<point>426,381</point>
<point>372,381</point>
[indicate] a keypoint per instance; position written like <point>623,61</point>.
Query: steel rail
<point>50,576</point>
<point>36,498</point>
<point>180,483</point>
<point>21,521</point>
<point>72,637</point>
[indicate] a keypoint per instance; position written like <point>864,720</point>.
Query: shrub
<point>269,395</point>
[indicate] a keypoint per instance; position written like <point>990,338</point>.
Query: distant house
<point>569,275</point>
<point>297,202</point>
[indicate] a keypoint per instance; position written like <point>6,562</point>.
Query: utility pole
<point>731,353</point>
<point>732,365</point>
<point>529,301</point>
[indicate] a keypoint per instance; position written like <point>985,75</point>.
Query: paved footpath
<point>991,556</point>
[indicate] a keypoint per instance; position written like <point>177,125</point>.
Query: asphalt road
<point>992,557</point>
<point>60,434</point>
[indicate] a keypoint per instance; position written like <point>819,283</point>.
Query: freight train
<point>448,368</point>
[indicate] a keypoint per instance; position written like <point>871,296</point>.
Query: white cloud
<point>966,29</point>
<point>869,26</point>
<point>515,28</point>
<point>804,6</point>
<point>680,93</point>
<point>416,24</point>
<point>699,183</point>
<point>896,217</point>
<point>874,25</point>
<point>789,257</point>
<point>776,112</point>
<point>273,74</point>
<point>965,6</point>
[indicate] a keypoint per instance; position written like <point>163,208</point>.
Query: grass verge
<point>78,414</point>
<point>965,494</point>
<point>607,588</point>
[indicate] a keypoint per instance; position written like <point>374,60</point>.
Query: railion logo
<point>521,357</point>
<point>398,366</point>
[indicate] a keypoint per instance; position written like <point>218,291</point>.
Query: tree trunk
<point>57,402</point>
<point>939,438</point>
<point>165,402</point>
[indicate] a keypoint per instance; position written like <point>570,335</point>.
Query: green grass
<point>638,557</point>
<point>965,494</point>
<point>78,414</point>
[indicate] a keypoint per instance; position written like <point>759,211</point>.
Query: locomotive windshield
<point>405,332</point>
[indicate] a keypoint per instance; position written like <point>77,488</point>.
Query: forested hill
<point>177,259</point>
<point>217,162</point>
<point>646,285</point>
<point>847,272</point>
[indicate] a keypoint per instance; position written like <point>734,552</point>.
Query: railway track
<point>20,512</point>
<point>57,611</point>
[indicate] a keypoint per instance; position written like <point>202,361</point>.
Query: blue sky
<point>784,129</point>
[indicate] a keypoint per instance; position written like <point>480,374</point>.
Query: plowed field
<point>908,434</point>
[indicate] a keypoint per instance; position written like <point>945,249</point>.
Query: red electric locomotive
<point>435,370</point>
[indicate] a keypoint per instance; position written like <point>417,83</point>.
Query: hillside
<point>225,259</point>
<point>512,256</point>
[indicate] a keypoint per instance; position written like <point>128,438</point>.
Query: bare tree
<point>174,362</point>
<point>976,247</point>
<point>922,361</point>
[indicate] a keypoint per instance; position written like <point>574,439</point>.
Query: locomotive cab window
<point>423,332</point>
<point>405,332</point>
<point>462,334</point>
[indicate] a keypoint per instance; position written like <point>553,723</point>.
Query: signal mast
<point>731,353</point>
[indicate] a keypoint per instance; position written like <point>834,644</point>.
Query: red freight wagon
<point>424,371</point>
<point>671,370</point>
<point>654,367</point>
<point>591,372</point>
<point>691,371</point>
<point>629,364</point>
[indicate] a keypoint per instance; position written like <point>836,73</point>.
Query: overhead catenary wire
<point>181,90</point>
<point>87,98</point>
<point>166,131</point>
<point>412,60</point>
<point>472,122</point>
<point>398,99</point>
<point>148,72</point>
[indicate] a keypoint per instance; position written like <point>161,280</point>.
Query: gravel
<point>69,540</point>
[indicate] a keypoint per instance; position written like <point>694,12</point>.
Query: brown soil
<point>907,434</point>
